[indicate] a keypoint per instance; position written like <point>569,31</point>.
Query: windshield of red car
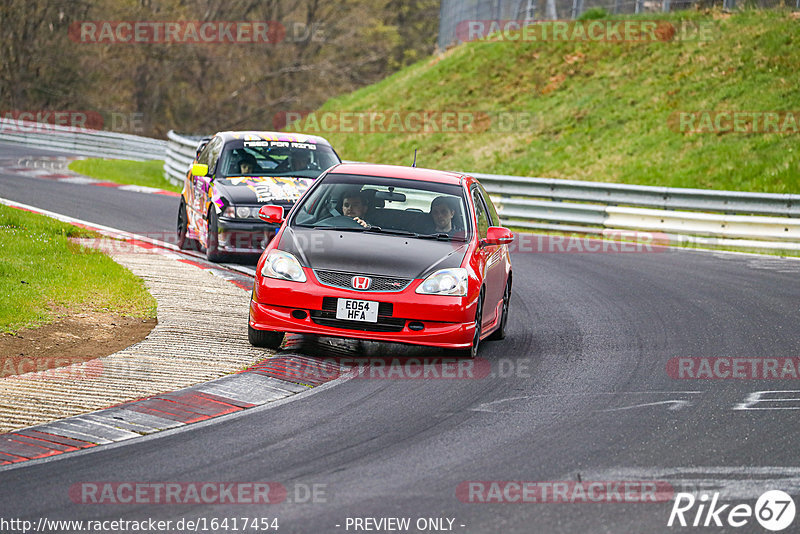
<point>392,204</point>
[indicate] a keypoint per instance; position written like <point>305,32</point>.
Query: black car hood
<point>262,189</point>
<point>371,253</point>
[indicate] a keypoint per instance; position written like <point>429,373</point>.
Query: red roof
<point>398,171</point>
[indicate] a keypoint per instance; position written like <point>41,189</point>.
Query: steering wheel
<point>339,220</point>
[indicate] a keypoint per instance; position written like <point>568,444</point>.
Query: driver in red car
<point>354,205</point>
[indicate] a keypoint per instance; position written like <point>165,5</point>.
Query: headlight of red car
<point>283,266</point>
<point>451,282</point>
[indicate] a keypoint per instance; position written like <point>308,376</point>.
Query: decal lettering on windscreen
<point>271,188</point>
<point>280,144</point>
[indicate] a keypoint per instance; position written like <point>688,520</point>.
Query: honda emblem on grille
<point>361,282</point>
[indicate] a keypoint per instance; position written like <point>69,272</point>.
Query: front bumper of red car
<point>404,316</point>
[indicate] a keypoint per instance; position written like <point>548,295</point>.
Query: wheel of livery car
<point>385,253</point>
<point>184,242</point>
<point>234,174</point>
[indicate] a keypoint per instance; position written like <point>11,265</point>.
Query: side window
<point>493,217</point>
<point>214,150</point>
<point>203,157</point>
<point>481,214</point>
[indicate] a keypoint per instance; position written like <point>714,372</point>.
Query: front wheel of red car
<point>472,351</point>
<point>264,338</point>
<point>500,333</point>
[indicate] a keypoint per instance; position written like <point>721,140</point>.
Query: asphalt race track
<point>578,391</point>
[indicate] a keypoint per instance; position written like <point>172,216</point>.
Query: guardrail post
<point>577,8</point>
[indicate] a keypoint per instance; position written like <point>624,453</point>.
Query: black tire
<point>212,239</point>
<point>472,351</point>
<point>184,243</point>
<point>264,338</point>
<point>500,333</point>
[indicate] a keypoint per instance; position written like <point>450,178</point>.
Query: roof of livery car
<point>255,135</point>
<point>398,171</point>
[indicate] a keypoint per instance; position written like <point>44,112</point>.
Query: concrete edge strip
<point>270,380</point>
<point>130,420</point>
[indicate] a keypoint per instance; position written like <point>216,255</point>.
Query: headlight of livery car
<point>386,253</point>
<point>236,173</point>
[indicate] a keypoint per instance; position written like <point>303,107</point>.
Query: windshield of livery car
<point>369,203</point>
<point>275,158</point>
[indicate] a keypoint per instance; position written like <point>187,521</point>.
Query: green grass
<point>123,171</point>
<point>40,268</point>
<point>601,111</point>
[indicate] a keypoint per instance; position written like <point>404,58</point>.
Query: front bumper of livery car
<point>244,236</point>
<point>403,317</point>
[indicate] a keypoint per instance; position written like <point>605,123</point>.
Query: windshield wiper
<point>441,236</point>
<point>392,231</point>
<point>337,228</point>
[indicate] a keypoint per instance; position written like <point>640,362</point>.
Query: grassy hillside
<point>601,110</point>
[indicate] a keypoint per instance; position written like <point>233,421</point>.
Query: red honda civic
<point>385,253</point>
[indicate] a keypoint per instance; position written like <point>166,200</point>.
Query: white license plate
<point>357,310</point>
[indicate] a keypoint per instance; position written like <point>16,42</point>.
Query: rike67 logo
<point>774,510</point>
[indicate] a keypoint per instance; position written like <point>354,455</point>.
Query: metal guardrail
<point>765,220</point>
<point>760,219</point>
<point>81,142</point>
<point>667,198</point>
<point>180,154</point>
<point>749,220</point>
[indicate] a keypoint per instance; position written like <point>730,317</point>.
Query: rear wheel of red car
<point>264,338</point>
<point>212,241</point>
<point>500,333</point>
<point>184,243</point>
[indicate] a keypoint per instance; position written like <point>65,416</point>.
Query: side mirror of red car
<point>271,214</point>
<point>497,235</point>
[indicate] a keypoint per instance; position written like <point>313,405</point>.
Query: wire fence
<point>453,14</point>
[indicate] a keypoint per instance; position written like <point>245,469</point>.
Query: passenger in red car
<point>443,209</point>
<point>442,213</point>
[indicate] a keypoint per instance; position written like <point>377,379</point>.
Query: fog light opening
<point>299,314</point>
<point>416,326</point>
